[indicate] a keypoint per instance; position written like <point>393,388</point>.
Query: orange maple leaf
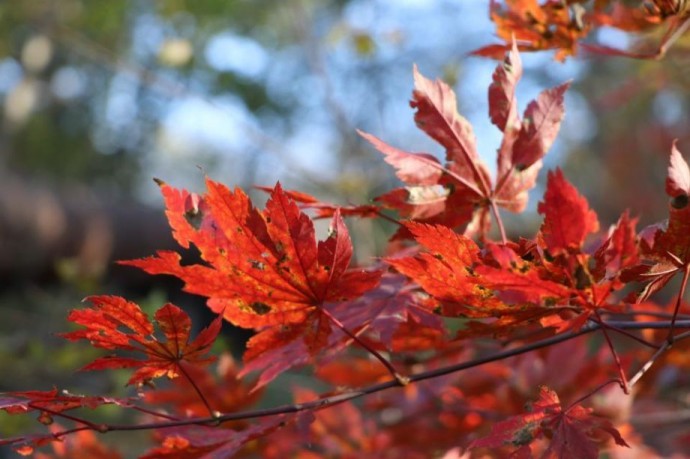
<point>263,269</point>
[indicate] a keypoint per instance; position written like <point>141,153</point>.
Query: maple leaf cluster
<point>564,26</point>
<point>446,340</point>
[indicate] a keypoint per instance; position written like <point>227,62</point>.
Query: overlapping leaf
<point>495,283</point>
<point>552,280</point>
<point>526,141</point>
<point>326,209</point>
<point>114,323</point>
<point>446,270</point>
<point>378,317</point>
<point>618,252</point>
<point>264,268</point>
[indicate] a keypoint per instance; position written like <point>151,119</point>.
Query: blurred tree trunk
<point>42,227</point>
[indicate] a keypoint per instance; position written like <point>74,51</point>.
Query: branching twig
<point>332,400</point>
<point>624,381</point>
<point>648,364</point>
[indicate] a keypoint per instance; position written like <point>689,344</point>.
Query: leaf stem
<point>402,380</point>
<point>503,180</point>
<point>380,214</point>
<point>597,389</point>
<point>499,221</point>
<point>196,388</point>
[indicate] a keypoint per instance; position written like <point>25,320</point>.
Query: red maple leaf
<point>263,269</point>
<point>553,280</point>
<point>618,252</point>
<point>473,284</point>
<point>571,431</point>
<point>446,271</point>
<point>114,323</point>
<point>568,219</point>
<point>461,190</point>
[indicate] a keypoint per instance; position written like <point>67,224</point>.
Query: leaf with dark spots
<point>272,272</point>
<point>260,308</point>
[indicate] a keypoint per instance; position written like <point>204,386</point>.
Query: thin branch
<point>380,214</point>
<point>663,348</point>
<point>647,325</point>
<point>648,364</point>
<point>644,312</point>
<point>607,325</point>
<point>87,424</point>
<point>421,376</point>
<point>154,413</point>
<point>347,396</point>
<point>429,374</point>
